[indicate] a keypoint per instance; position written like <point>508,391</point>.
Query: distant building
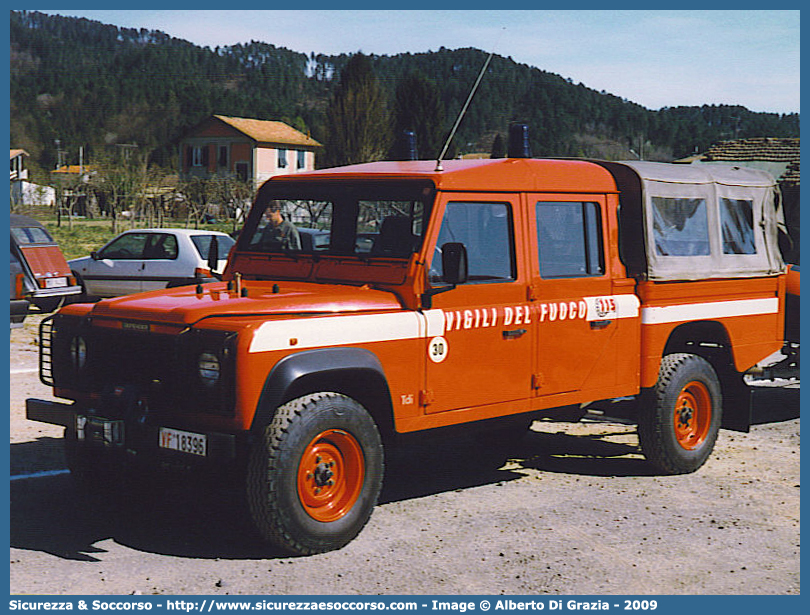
<point>780,157</point>
<point>24,192</point>
<point>18,170</point>
<point>252,150</point>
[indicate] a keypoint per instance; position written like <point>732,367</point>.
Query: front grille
<point>131,357</point>
<point>160,367</point>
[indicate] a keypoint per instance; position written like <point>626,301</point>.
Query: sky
<point>653,58</point>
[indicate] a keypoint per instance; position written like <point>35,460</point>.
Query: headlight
<point>208,368</point>
<point>78,352</point>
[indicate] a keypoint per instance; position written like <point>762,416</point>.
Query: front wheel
<point>315,473</point>
<point>678,430</point>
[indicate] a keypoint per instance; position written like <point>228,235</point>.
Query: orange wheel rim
<point>330,475</point>
<point>693,415</point>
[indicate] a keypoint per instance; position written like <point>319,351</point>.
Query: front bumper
<point>47,293</point>
<point>134,437</point>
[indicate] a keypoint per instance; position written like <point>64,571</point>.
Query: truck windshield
<point>366,224</point>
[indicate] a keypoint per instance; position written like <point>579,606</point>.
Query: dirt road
<point>574,510</point>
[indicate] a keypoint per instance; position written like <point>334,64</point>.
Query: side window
<point>486,231</point>
<point>680,226</point>
<point>198,156</point>
<point>737,220</point>
<point>569,240</point>
<point>128,247</point>
<point>161,246</point>
<point>242,171</point>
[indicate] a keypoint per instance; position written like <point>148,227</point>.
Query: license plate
<point>183,441</point>
<point>55,282</point>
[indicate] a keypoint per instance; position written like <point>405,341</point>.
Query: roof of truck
<point>728,175</point>
<point>487,175</point>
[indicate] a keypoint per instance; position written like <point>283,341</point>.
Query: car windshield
<point>343,221</point>
<point>203,244</point>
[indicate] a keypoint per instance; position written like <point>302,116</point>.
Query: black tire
<point>46,305</point>
<point>82,297</point>
<point>315,473</point>
<point>678,428</point>
<point>91,468</point>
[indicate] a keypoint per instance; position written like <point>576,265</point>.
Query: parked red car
<point>47,279</point>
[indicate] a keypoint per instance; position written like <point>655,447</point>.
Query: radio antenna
<point>464,110</point>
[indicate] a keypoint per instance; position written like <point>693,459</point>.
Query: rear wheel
<point>678,430</point>
<point>315,473</point>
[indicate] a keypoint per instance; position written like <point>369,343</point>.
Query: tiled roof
<point>766,149</point>
<point>17,152</point>
<point>762,149</point>
<point>792,175</point>
<point>267,131</point>
<point>74,169</point>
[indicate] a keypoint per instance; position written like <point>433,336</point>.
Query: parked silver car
<point>150,259</point>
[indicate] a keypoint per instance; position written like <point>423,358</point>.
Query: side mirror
<point>213,254</point>
<point>454,263</point>
<point>454,271</point>
<point>94,255</point>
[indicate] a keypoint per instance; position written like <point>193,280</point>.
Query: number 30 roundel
<point>437,349</point>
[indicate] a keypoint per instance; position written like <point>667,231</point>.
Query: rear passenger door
<point>578,312</point>
<point>161,264</point>
<point>482,353</point>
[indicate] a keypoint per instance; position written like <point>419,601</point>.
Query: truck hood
<point>184,306</point>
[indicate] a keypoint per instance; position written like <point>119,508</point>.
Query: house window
<point>223,156</point>
<point>302,159</point>
<point>198,156</point>
<point>282,158</point>
<point>242,171</point>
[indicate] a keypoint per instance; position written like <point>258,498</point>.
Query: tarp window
<point>680,227</point>
<point>737,220</point>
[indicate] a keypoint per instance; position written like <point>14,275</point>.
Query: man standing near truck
<point>278,230</point>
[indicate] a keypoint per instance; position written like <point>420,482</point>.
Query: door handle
<point>513,334</point>
<point>600,324</point>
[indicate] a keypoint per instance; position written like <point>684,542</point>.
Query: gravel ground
<point>574,510</point>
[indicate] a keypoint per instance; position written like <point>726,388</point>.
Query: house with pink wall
<point>252,150</point>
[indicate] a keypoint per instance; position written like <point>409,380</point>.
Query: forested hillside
<point>89,84</point>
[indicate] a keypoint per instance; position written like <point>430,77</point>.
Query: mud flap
<point>737,408</point>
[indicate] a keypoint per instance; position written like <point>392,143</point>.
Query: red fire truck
<point>486,293</point>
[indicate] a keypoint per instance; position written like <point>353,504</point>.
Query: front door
<point>482,353</point>
<point>118,267</point>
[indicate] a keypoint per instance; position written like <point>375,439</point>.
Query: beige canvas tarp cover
<point>708,221</point>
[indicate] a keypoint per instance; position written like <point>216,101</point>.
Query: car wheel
<point>48,304</point>
<point>678,430</point>
<point>315,473</point>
